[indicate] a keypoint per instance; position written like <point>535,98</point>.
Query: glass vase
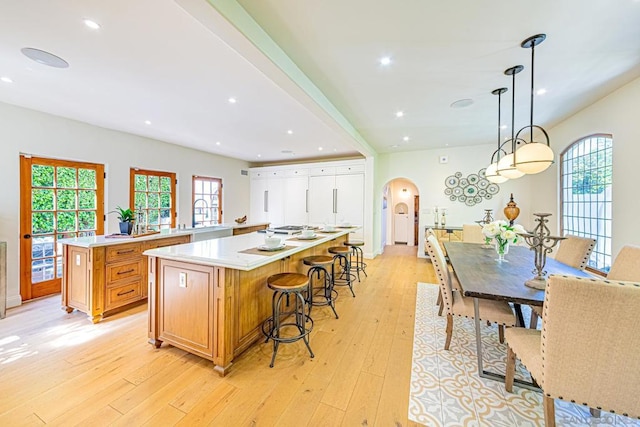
<point>502,249</point>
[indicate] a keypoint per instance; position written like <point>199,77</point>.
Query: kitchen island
<point>210,298</point>
<point>105,274</point>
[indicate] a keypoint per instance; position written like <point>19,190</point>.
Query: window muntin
<point>586,185</point>
<point>206,200</point>
<point>152,195</point>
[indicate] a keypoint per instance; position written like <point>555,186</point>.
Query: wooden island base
<point>215,312</point>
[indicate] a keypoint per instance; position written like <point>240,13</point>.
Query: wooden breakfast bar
<point>210,298</point>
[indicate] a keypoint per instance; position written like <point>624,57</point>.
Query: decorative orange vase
<point>512,211</point>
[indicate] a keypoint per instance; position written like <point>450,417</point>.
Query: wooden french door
<point>58,199</point>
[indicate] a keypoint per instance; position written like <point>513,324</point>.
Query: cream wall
<point>39,134</point>
<point>428,174</point>
<point>616,114</point>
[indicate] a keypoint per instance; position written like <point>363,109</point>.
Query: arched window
<point>585,179</point>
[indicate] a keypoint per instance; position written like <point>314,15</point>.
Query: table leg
<point>519,316</point>
<point>488,374</point>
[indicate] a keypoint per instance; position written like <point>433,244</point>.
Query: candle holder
<point>540,241</point>
<point>436,217</point>
<point>488,217</point>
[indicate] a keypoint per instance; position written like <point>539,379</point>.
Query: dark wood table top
<point>481,276</point>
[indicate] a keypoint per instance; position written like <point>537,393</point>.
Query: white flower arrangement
<point>503,233</point>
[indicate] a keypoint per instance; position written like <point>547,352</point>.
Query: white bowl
<point>328,228</point>
<point>307,233</point>
<point>271,242</point>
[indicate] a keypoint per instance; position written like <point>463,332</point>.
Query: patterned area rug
<point>446,389</point>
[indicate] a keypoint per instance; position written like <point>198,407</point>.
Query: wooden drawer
<point>122,252</point>
<point>169,241</point>
<point>125,270</point>
<point>127,293</point>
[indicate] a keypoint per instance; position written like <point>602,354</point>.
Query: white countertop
<point>225,252</point>
<point>94,241</point>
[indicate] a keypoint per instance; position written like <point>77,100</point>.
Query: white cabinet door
<point>321,199</point>
<point>258,200</point>
<point>275,201</point>
<point>295,200</point>
<point>350,199</point>
<point>401,228</point>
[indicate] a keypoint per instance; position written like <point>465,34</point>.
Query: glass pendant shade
<point>506,168</point>
<point>533,158</point>
<point>492,174</point>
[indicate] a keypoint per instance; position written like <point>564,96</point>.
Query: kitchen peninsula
<point>102,274</point>
<point>210,298</point>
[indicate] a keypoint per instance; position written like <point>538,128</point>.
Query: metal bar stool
<point>345,277</point>
<point>318,271</point>
<point>359,265</point>
<point>285,285</point>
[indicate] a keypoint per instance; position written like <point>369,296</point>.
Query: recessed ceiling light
<point>44,58</point>
<point>290,132</point>
<point>319,148</point>
<point>91,24</point>
<point>385,60</point>
<point>399,113</point>
<point>232,100</point>
<point>147,122</point>
<point>541,91</point>
<point>446,145</point>
<point>6,79</point>
<point>259,155</point>
<point>405,138</point>
<point>217,142</point>
<point>462,103</point>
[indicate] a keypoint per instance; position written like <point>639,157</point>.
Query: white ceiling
<point>176,63</point>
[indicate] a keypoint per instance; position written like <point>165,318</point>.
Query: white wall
<point>43,135</point>
<point>423,169</point>
<point>616,114</point>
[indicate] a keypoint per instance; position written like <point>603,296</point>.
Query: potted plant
<point>126,217</point>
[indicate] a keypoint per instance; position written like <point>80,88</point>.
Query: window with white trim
<point>586,199</point>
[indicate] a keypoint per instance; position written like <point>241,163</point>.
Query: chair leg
<point>449,331</point>
<point>510,372</point>
<point>501,333</point>
<point>439,300</point>
<point>549,411</point>
<point>594,412</point>
<point>533,322</point>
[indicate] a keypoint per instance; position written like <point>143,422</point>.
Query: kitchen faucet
<point>193,211</point>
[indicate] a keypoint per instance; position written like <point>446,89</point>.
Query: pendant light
<point>533,157</point>
<point>492,170</point>
<point>506,165</point>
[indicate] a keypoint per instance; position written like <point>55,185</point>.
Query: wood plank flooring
<point>60,369</point>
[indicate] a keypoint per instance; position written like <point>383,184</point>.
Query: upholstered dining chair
<point>574,251</point>
<point>456,304</point>
<point>590,360</point>
<point>472,233</point>
<point>626,266</point>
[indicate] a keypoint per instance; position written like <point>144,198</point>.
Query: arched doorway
<point>400,213</point>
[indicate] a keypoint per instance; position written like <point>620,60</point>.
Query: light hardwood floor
<point>59,369</point>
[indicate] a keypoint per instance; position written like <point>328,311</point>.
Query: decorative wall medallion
<point>470,190</point>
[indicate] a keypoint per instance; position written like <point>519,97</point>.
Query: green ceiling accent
<point>239,17</point>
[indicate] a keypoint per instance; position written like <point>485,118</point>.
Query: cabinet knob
<point>27,236</point>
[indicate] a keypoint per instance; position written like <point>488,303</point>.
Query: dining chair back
<point>626,266</point>
<point>590,360</point>
<point>442,271</point>
<point>575,251</point>
<point>472,233</point>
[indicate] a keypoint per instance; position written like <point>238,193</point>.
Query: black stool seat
<point>285,285</point>
<point>359,264</point>
<point>342,254</point>
<point>324,294</point>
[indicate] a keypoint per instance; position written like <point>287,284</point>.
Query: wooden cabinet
<point>215,312</point>
<point>100,279</point>
<point>249,229</point>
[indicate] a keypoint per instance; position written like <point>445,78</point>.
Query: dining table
<point>481,275</point>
